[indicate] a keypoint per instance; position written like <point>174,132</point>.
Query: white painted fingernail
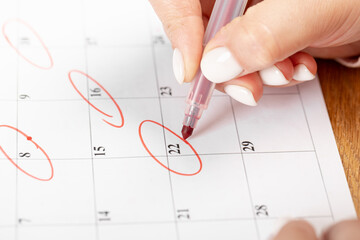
<point>178,66</point>
<point>219,65</point>
<point>273,76</point>
<point>302,73</point>
<point>241,94</point>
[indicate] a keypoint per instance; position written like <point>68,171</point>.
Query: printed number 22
<point>174,148</point>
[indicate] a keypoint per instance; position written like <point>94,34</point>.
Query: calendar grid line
<point>7,226</point>
<point>57,47</point>
<point>164,136</point>
<point>245,172</point>
<point>129,98</point>
<point>96,224</point>
<point>164,156</point>
<point>111,182</point>
<point>17,133</point>
<point>164,222</point>
<point>317,158</point>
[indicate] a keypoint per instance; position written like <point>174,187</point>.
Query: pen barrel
<point>198,99</point>
<point>201,90</point>
<point>223,12</point>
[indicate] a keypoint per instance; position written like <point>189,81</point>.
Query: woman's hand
<point>301,230</point>
<point>269,45</point>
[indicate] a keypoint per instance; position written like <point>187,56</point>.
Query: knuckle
<point>179,15</point>
<point>171,27</point>
<point>262,43</point>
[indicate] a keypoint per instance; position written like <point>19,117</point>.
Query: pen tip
<point>186,131</point>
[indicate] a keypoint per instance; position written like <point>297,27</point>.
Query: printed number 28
<point>261,210</point>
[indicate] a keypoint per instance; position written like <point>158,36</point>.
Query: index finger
<point>183,24</point>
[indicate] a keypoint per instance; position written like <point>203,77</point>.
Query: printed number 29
<point>248,146</point>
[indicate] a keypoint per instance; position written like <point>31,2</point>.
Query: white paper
<point>255,165</point>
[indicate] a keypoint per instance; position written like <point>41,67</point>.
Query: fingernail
<point>178,66</point>
<point>302,73</point>
<point>241,94</point>
<point>273,76</point>
<point>219,65</point>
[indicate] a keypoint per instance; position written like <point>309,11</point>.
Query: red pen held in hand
<point>200,93</point>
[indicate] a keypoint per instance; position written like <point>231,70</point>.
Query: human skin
<point>301,230</point>
<point>272,44</point>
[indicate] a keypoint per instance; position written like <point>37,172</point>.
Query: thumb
<point>296,230</point>
<point>268,33</point>
<point>183,24</point>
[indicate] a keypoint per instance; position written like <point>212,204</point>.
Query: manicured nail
<point>178,66</point>
<point>302,73</point>
<point>219,65</point>
<point>273,76</point>
<point>240,94</point>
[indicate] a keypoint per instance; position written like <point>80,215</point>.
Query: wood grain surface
<point>341,89</point>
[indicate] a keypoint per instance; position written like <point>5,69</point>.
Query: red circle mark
<point>37,146</point>
<point>36,35</point>
<point>182,139</point>
<point>92,105</point>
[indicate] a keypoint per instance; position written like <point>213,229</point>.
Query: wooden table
<point>341,89</point>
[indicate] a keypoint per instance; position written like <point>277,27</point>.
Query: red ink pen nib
<point>186,131</point>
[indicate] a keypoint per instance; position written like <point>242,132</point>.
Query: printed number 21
<point>183,214</point>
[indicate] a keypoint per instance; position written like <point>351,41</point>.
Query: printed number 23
<point>165,91</point>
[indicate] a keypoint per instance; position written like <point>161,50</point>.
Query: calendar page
<point>90,143</point>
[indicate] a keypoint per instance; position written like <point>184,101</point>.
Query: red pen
<point>200,93</point>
